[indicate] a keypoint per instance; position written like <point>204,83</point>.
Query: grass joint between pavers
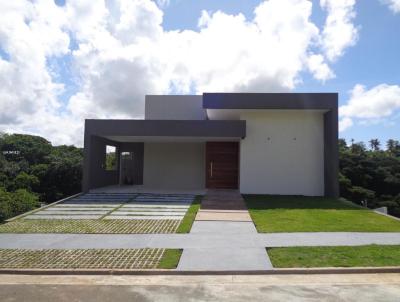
<point>187,221</point>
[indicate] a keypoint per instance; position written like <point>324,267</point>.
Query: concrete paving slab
<point>226,259</point>
<point>131,209</point>
<point>223,227</point>
<point>223,215</point>
<point>60,212</point>
<point>148,213</point>
<point>156,204</point>
<point>63,217</point>
<point>55,209</point>
<point>130,217</point>
<point>83,205</point>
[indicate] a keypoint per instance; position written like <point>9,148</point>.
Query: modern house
<point>259,143</point>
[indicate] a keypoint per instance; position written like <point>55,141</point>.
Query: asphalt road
<point>348,287</point>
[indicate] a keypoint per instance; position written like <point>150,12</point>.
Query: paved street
<point>351,287</point>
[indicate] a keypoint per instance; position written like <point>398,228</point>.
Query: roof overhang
<point>310,101</point>
<point>134,130</point>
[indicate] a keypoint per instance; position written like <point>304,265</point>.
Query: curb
<point>279,271</point>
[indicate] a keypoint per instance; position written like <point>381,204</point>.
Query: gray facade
<point>189,121</point>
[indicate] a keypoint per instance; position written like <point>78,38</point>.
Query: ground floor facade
<point>267,150</point>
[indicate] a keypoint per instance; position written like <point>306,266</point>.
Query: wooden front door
<point>222,165</point>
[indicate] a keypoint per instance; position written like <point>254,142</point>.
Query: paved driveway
<point>125,206</point>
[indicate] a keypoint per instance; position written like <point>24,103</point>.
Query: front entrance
<point>222,165</point>
<point>127,168</point>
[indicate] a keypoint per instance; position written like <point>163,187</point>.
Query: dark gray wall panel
<point>331,153</point>
<point>186,128</point>
<point>270,100</point>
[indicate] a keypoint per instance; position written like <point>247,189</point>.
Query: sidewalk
<point>197,239</point>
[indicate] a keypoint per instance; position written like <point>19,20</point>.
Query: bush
<point>360,194</point>
<point>15,203</point>
<point>25,181</point>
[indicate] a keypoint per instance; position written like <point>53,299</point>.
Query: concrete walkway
<point>196,239</point>
<point>224,213</point>
<point>223,245</point>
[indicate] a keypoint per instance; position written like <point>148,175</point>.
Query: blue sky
<point>66,60</point>
<point>373,60</point>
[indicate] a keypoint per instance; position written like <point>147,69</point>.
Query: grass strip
<point>188,219</point>
<point>170,259</point>
<point>314,214</point>
<point>335,256</point>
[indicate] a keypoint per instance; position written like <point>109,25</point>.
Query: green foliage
<point>15,203</point>
<point>361,195</point>
<point>170,259</point>
<point>371,175</point>
<point>111,161</point>
<point>25,181</point>
<point>31,148</point>
<point>51,172</point>
<point>335,256</point>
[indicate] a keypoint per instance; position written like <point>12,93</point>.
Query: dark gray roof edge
<point>183,128</point>
<point>270,100</point>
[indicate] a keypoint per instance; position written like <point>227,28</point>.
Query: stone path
<point>126,206</point>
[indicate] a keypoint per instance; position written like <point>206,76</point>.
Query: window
<point>111,158</point>
<point>126,155</point>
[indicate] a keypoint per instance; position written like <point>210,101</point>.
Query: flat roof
<point>270,100</point>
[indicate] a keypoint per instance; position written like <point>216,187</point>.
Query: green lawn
<point>314,214</point>
<point>170,259</point>
<point>187,221</point>
<point>335,256</point>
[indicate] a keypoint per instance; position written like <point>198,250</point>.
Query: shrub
<point>15,203</point>
<point>360,194</point>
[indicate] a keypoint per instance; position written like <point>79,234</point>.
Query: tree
<point>358,148</point>
<point>374,144</point>
<point>25,181</point>
<point>31,148</point>
<point>392,146</point>
<point>342,144</point>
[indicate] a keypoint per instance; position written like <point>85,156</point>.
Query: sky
<point>66,60</point>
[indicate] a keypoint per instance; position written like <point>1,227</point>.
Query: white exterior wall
<point>174,165</point>
<point>291,162</point>
<point>174,107</point>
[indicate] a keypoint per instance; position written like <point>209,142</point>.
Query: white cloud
<point>120,52</point>
<point>319,68</point>
<point>339,31</point>
<point>345,123</point>
<point>394,5</point>
<point>371,105</point>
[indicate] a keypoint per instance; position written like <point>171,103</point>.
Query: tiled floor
<point>126,206</point>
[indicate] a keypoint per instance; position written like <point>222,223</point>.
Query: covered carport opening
<point>153,153</point>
